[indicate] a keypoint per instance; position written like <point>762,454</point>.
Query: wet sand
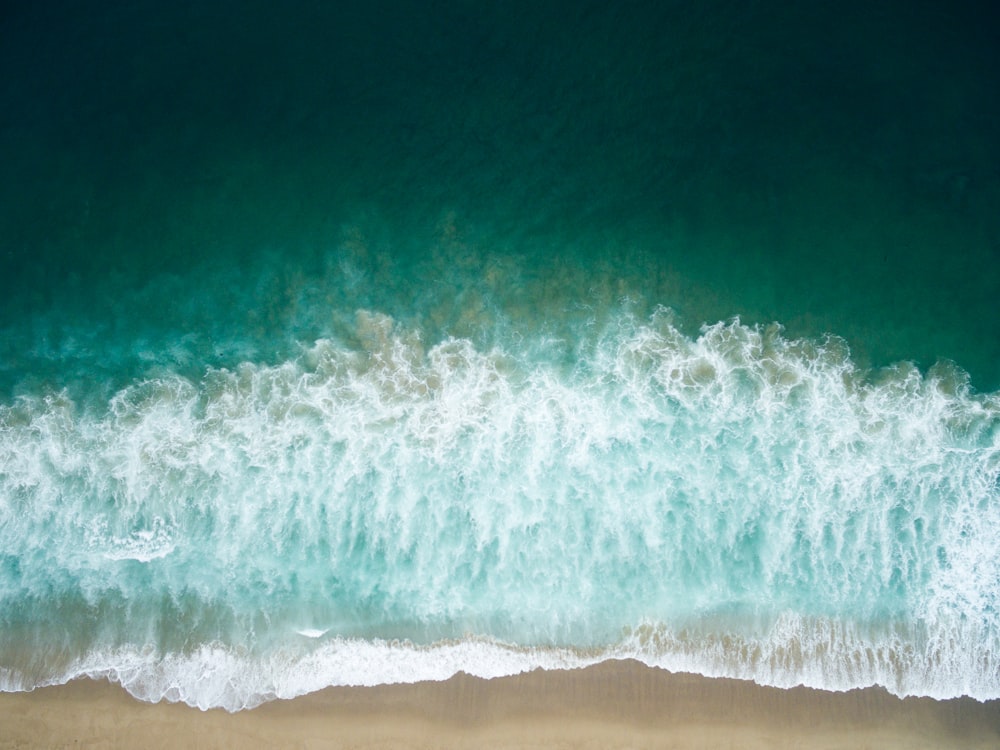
<point>615,704</point>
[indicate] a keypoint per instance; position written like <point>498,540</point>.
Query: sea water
<point>481,341</point>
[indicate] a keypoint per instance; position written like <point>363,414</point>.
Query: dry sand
<point>611,705</point>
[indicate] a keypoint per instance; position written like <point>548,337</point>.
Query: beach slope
<point>614,704</point>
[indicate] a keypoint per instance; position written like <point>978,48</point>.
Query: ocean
<point>351,345</point>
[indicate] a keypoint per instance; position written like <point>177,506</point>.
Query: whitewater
<point>407,488</point>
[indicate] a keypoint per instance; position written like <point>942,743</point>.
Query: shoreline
<point>612,704</point>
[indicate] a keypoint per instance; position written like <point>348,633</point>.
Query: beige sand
<point>612,705</point>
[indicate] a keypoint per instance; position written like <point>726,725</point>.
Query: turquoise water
<point>343,347</point>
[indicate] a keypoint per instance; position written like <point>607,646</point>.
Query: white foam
<point>312,632</point>
<point>790,651</point>
<point>448,488</point>
<point>142,545</point>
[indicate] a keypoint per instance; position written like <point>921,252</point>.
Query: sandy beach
<point>615,704</point>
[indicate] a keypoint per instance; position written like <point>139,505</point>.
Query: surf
<point>711,504</point>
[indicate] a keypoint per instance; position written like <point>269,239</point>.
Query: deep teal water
<point>342,345</point>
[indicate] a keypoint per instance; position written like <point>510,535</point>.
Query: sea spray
<point>734,503</point>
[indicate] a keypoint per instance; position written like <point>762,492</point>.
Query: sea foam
<point>736,503</point>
